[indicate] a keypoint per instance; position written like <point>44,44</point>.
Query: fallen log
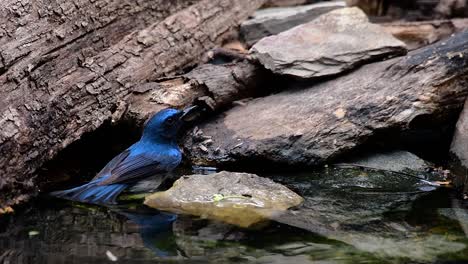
<point>213,86</point>
<point>316,123</point>
<point>82,64</point>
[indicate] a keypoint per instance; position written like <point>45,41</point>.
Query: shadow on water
<point>349,216</point>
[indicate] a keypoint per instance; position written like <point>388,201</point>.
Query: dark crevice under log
<point>83,60</point>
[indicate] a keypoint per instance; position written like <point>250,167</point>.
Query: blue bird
<point>156,152</point>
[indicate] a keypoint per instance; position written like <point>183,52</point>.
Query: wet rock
<point>373,211</point>
<point>236,198</point>
<point>459,145</point>
<point>200,237</point>
<point>332,43</point>
<point>271,21</point>
<point>316,123</point>
<point>396,160</point>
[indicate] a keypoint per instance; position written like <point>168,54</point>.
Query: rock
<point>452,8</point>
<point>410,10</point>
<point>396,160</point>
<point>316,123</point>
<point>236,198</point>
<point>215,240</point>
<point>330,44</point>
<point>459,145</point>
<point>372,211</point>
<point>270,3</point>
<point>271,21</point>
<point>459,150</point>
<point>417,34</point>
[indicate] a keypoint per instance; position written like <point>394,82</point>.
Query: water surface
<point>349,216</point>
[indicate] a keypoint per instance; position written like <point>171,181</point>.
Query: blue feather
<point>155,153</point>
<point>93,193</point>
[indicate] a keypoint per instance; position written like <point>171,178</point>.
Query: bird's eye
<point>170,121</point>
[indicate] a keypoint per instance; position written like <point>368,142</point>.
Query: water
<point>349,216</point>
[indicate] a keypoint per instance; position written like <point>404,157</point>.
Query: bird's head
<point>165,125</point>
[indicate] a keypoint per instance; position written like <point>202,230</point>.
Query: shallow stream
<point>349,216</point>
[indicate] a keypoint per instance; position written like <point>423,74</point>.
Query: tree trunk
<point>68,66</point>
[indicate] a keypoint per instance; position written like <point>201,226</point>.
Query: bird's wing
<point>131,168</point>
<point>111,164</point>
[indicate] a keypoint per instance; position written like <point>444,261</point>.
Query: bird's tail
<point>92,193</point>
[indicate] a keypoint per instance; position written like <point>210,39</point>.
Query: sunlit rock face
<point>237,198</point>
<point>330,44</point>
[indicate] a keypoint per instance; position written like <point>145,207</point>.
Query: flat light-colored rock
<point>237,198</point>
<point>271,21</point>
<point>333,43</point>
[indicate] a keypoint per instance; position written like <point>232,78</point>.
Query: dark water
<point>348,216</point>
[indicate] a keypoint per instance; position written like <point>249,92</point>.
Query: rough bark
<point>66,67</point>
<point>317,123</point>
<point>215,86</point>
<point>422,33</point>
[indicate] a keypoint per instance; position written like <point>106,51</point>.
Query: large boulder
<point>271,21</point>
<point>237,198</point>
<point>316,123</point>
<point>459,151</point>
<point>334,42</point>
<point>459,145</point>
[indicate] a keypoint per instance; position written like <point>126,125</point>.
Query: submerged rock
<point>236,198</point>
<point>373,211</point>
<point>396,160</point>
<point>334,42</point>
<point>271,21</point>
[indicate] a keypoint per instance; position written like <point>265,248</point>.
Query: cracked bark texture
<point>68,66</point>
<point>214,86</point>
<point>311,124</point>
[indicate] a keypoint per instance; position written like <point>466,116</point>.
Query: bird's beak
<point>189,113</point>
